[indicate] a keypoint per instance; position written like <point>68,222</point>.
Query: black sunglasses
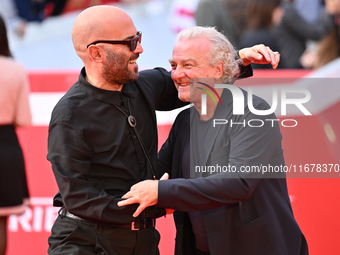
<point>131,43</point>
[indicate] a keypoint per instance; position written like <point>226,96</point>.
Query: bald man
<point>103,138</point>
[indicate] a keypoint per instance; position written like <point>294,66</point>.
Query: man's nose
<point>139,48</point>
<point>177,73</point>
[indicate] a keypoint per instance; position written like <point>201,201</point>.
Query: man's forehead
<point>182,59</point>
<point>191,47</point>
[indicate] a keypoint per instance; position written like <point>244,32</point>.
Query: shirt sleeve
<point>161,89</point>
<point>71,161</point>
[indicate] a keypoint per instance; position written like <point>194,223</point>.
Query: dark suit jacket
<point>243,213</point>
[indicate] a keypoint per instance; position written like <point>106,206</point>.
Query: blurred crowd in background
<point>305,32</point>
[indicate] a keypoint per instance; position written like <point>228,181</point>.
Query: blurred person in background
<point>17,13</point>
<point>182,14</point>
<point>260,15</point>
<point>328,48</point>
<point>39,10</point>
<point>215,13</point>
<point>293,32</point>
<point>54,7</point>
<point>14,112</point>
<point>237,11</point>
<point>228,16</point>
<point>310,10</point>
<point>10,13</point>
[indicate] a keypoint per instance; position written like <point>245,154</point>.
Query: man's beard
<point>116,70</point>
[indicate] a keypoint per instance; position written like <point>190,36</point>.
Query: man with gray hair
<point>220,207</point>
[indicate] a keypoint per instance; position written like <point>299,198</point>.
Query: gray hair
<point>221,49</point>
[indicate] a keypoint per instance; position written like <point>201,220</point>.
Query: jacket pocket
<point>256,237</point>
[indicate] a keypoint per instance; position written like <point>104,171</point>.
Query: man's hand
<point>144,193</point>
<point>259,54</point>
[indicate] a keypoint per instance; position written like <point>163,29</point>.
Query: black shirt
<point>95,153</point>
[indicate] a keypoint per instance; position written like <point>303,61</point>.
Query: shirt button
<point>132,121</point>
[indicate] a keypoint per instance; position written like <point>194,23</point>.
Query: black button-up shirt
<point>95,153</point>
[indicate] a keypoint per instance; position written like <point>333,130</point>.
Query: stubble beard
<point>117,70</point>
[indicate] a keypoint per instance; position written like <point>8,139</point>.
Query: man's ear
<point>220,69</point>
<point>95,53</point>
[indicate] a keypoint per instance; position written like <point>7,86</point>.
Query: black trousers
<point>73,237</point>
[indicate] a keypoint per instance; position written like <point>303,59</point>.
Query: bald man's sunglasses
<point>131,43</point>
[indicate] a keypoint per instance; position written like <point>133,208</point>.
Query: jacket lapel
<point>222,112</point>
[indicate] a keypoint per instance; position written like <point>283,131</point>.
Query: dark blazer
<point>243,213</point>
